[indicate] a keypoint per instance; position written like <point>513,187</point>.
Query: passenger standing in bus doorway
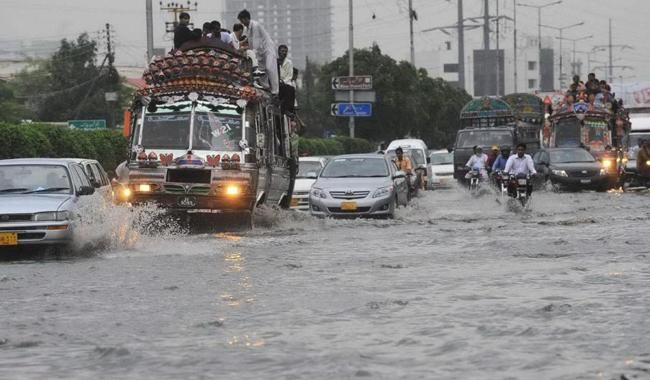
<point>261,42</point>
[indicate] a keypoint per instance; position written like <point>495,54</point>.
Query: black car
<point>573,169</point>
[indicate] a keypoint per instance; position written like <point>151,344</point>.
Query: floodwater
<point>453,288</point>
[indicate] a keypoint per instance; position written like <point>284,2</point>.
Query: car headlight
<point>607,163</point>
<point>51,216</point>
<point>647,163</point>
<point>560,173</point>
<point>318,193</point>
<point>382,191</point>
<point>604,171</point>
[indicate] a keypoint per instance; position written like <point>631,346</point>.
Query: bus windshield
<point>567,133</point>
<point>166,130</point>
<point>217,131</point>
<point>483,138</point>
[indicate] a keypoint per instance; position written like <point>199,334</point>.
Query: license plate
<point>522,182</point>
<point>585,181</point>
<point>187,201</point>
<point>348,206</point>
<point>294,202</point>
<point>8,238</point>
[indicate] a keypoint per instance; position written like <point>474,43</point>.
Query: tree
<point>69,85</point>
<point>409,102</point>
<point>11,109</point>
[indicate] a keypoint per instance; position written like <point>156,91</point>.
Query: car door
<point>401,187</point>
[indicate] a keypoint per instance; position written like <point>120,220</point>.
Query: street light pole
<point>561,29</point>
<point>539,33</point>
<point>351,64</point>
<point>573,56</point>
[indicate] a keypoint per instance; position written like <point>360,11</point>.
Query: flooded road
<point>454,287</point>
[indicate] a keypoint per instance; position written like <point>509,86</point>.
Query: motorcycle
<point>501,183</point>
<point>474,181</point>
<point>520,185</point>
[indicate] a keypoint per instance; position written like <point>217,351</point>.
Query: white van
<point>418,152</point>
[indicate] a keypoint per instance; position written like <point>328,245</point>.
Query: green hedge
<point>334,146</point>
<point>108,147</point>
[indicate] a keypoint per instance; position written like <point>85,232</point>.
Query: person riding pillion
<point>477,162</point>
<point>520,165</point>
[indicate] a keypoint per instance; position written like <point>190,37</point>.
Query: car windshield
<point>571,155</point>
<point>217,131</point>
<point>415,155</point>
<point>633,143</point>
<point>484,138</point>
<point>34,179</point>
<point>442,158</point>
<point>307,167</point>
<point>356,167</point>
<point>567,133</point>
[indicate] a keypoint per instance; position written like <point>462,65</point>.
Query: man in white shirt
<point>286,66</point>
<point>261,42</point>
<point>520,164</point>
<point>237,31</point>
<point>478,161</point>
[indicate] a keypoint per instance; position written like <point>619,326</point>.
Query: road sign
<point>352,109</point>
<point>359,96</point>
<point>87,124</point>
<point>358,82</point>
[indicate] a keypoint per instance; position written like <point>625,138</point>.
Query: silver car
<point>37,199</point>
<point>358,185</point>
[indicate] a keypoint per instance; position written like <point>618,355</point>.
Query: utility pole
<point>573,56</point>
<point>498,65</point>
<point>109,48</point>
<point>351,63</point>
<point>461,46</point>
<point>514,39</point>
<point>412,16</point>
<point>486,43</point>
<point>611,59</point>
<point>539,33</point>
<point>609,69</point>
<point>149,19</point>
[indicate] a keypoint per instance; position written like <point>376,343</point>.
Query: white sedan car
<point>38,198</point>
<point>441,169</point>
<point>308,170</point>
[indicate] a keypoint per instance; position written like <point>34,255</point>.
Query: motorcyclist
<point>477,162</point>
<point>500,161</point>
<point>500,164</point>
<point>520,165</point>
<point>403,163</point>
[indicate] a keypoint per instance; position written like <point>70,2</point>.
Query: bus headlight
<point>607,164</point>
<point>144,188</point>
<point>233,190</point>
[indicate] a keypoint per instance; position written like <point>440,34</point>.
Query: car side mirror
<point>86,190</point>
<point>399,174</point>
<point>423,167</point>
<point>95,183</point>
<point>428,160</point>
<point>312,175</point>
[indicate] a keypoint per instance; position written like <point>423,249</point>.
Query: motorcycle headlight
<point>603,171</point>
<point>318,193</point>
<point>382,191</point>
<point>51,216</point>
<point>560,173</point>
<point>647,163</point>
<point>607,163</point>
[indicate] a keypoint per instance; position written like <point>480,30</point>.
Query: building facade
<point>305,26</point>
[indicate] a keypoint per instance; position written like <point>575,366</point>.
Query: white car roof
<point>407,144</point>
<point>640,122</point>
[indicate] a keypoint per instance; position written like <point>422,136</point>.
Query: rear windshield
<point>483,138</point>
<point>442,158</point>
<point>356,167</point>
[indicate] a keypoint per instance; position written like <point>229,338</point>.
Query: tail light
<point>142,156</point>
<point>235,158</point>
<point>152,156</point>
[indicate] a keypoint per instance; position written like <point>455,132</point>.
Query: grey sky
<point>32,20</point>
